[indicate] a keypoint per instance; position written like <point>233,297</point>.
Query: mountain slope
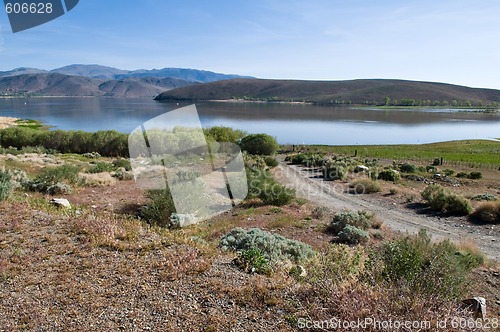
<point>55,84</point>
<point>368,91</point>
<point>139,87</point>
<point>94,71</point>
<point>21,71</point>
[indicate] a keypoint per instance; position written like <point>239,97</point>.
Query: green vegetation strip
<point>466,151</point>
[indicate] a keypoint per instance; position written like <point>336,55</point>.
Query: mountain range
<point>361,91</point>
<point>96,80</point>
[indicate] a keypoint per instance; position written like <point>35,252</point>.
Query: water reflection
<point>295,124</point>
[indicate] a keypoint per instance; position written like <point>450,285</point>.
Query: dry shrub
<point>365,186</point>
<point>487,213</point>
<point>377,302</point>
<point>99,230</point>
<point>183,261</point>
<point>113,231</point>
<point>98,179</point>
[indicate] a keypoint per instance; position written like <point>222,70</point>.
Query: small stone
<point>61,202</point>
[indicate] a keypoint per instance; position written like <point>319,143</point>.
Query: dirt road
<point>399,218</point>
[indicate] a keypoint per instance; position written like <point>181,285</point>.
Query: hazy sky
<point>449,41</point>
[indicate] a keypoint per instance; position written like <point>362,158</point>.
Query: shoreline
<point>6,122</point>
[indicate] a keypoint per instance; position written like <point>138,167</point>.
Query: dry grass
<point>98,179</point>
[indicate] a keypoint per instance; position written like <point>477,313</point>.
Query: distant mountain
<point>94,71</point>
<point>103,72</point>
<point>21,71</point>
<point>363,91</point>
<point>55,84</point>
<point>193,75</point>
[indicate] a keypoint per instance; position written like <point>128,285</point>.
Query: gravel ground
<point>397,217</point>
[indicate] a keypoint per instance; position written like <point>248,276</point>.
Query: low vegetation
<point>274,247</point>
<point>5,185</point>
<point>55,180</point>
<point>302,261</point>
<point>259,144</point>
<point>487,213</point>
<point>365,186</point>
<point>352,227</point>
<point>441,199</point>
<point>466,152</point>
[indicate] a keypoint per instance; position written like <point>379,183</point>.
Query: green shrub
<point>333,171</point>
<point>307,159</point>
<point>389,175</point>
<point>408,168</point>
<point>484,197</point>
<point>106,142</point>
<point>365,186</point>
<point>224,134</point>
<point>487,213</point>
<point>5,185</point>
<point>253,261</point>
<point>276,194</point>
<point>422,266</point>
<point>431,169</point>
<point>475,175</point>
<point>271,161</point>
<point>458,205</point>
<point>393,191</point>
<point>123,176</point>
<point>261,184</point>
<point>273,247</point>
<point>353,235</point>
<point>339,264</point>
<point>359,219</point>
<point>462,175</point>
<point>259,144</point>
<point>57,189</point>
<point>122,163</point>
<point>101,167</point>
<point>159,208</point>
<point>448,172</point>
<point>55,180</point>
<point>436,162</point>
<point>440,199</point>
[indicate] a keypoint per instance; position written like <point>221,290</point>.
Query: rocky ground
<point>96,267</point>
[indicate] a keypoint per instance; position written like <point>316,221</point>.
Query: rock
<point>361,169</point>
<point>61,202</point>
<point>477,305</point>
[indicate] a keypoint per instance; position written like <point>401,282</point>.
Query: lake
<point>289,123</point>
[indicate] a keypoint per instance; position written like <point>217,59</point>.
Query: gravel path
<point>399,218</point>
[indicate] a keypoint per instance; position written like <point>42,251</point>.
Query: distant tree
<point>387,100</point>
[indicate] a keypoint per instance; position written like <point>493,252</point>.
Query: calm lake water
<point>293,124</point>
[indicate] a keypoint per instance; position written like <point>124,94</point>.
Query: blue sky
<point>449,41</point>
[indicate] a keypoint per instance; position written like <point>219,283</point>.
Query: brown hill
<point>365,91</point>
<point>140,87</point>
<point>55,84</point>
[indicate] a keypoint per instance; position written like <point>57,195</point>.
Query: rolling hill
<point>363,91</point>
<point>54,84</point>
<point>95,80</point>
